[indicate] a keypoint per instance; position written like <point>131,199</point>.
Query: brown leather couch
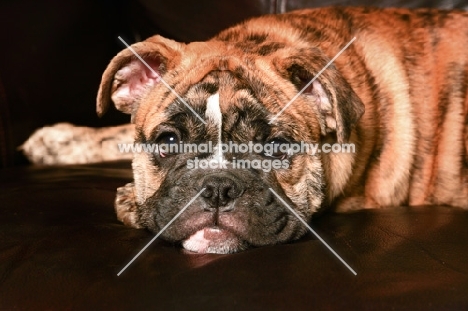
<point>61,246</point>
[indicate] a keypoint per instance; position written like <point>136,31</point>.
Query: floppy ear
<point>127,79</point>
<point>338,106</point>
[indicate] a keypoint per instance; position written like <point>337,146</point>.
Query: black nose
<point>220,191</point>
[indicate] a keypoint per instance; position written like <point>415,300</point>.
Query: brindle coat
<point>399,93</point>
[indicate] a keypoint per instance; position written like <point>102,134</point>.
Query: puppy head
<point>217,93</point>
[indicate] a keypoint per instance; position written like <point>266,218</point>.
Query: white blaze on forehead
<point>213,113</point>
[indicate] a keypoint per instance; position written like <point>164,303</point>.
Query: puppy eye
<point>164,141</point>
<point>276,148</point>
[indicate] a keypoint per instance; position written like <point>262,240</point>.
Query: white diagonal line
<point>312,81</point>
<point>163,82</point>
<point>312,230</point>
<point>162,230</point>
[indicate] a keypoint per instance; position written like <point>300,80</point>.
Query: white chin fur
<point>212,240</point>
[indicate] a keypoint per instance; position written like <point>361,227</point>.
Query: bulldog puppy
<point>398,94</point>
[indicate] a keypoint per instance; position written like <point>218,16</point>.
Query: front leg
<point>126,207</point>
<point>65,143</point>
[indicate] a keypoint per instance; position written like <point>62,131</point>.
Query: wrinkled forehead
<point>214,83</point>
<point>221,100</point>
<point>187,91</point>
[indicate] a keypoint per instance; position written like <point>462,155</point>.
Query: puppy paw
<point>65,143</point>
<point>126,207</point>
<point>49,144</point>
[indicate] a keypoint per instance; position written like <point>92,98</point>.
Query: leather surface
<point>61,248</point>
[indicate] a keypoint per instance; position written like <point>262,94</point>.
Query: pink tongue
<point>213,234</point>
